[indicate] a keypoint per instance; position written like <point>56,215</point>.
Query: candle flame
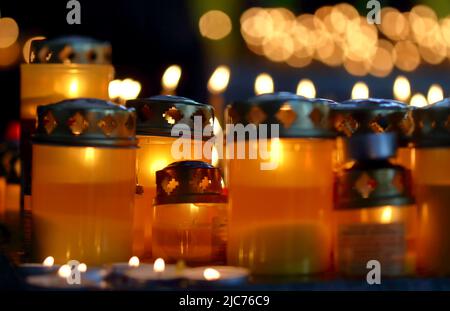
<point>124,89</point>
<point>360,91</point>
<point>115,88</point>
<point>306,88</point>
<point>418,100</point>
<point>64,271</point>
<point>73,88</point>
<point>402,88</point>
<point>82,267</point>
<point>89,154</point>
<point>133,262</point>
<point>263,84</point>
<point>211,274</point>
<point>159,265</point>
<point>171,77</point>
<point>214,156</point>
<point>219,80</point>
<point>386,215</point>
<point>49,261</point>
<point>435,94</point>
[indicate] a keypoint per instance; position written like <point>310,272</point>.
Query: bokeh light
<point>215,25</point>
<point>9,32</point>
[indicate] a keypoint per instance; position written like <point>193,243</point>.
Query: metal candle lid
<point>86,122</point>
<point>157,115</point>
<point>373,184</point>
<point>373,115</point>
<point>432,125</point>
<point>371,146</point>
<point>297,116</point>
<point>70,50</point>
<point>189,182</point>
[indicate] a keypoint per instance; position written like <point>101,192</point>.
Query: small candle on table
<point>170,80</point>
<point>47,266</point>
<point>158,273</point>
<point>216,275</point>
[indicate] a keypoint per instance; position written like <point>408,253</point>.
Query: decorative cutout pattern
<point>316,116</point>
<point>365,185</point>
<point>146,113</point>
<point>49,122</point>
<point>397,182</point>
<point>172,115</point>
<point>77,124</point>
<point>407,124</point>
<point>204,184</point>
<point>108,125</point>
<point>170,185</point>
<point>286,115</point>
<point>256,115</point>
<point>347,125</point>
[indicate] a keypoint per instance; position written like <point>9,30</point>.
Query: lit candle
<point>97,138</point>
<point>435,94</point>
<point>120,267</point>
<point>375,213</point>
<point>157,274</point>
<point>418,100</point>
<point>216,276</point>
<point>217,85</point>
<point>263,84</point>
<point>402,88</point>
<point>306,88</point>
<point>360,90</point>
<point>157,116</point>
<point>170,80</point>
<point>47,266</point>
<point>122,90</point>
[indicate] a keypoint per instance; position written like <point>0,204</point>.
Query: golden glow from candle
<point>171,77</point>
<point>73,87</point>
<point>194,208</point>
<point>49,261</point>
<point>276,150</point>
<point>89,155</point>
<point>418,100</point>
<point>219,80</point>
<point>158,164</point>
<point>124,89</point>
<point>435,94</point>
<point>214,156</point>
<point>211,274</point>
<point>402,88</point>
<point>386,215</point>
<point>27,47</point>
<point>64,271</point>
<point>306,88</point>
<point>214,25</point>
<point>9,32</point>
<point>134,261</point>
<point>82,267</point>
<point>159,265</point>
<point>263,84</point>
<point>360,91</point>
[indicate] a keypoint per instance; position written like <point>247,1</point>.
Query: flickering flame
<point>159,265</point>
<point>435,94</point>
<point>130,89</point>
<point>306,88</point>
<point>133,262</point>
<point>219,80</point>
<point>418,100</point>
<point>263,84</point>
<point>171,77</point>
<point>73,88</point>
<point>211,274</point>
<point>402,88</point>
<point>214,156</point>
<point>82,267</point>
<point>360,91</point>
<point>64,271</point>
<point>115,88</point>
<point>49,261</point>
<point>89,154</point>
<point>386,215</point>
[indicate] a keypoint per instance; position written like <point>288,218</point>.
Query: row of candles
<point>279,221</point>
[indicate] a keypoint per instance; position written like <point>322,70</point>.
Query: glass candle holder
<point>432,185</point>
<point>84,181</point>
<point>190,214</point>
<point>160,119</point>
<point>375,214</point>
<point>373,115</point>
<point>280,216</point>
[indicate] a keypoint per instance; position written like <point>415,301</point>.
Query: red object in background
<point>13,131</point>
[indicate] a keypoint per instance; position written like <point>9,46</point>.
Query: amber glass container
<point>84,181</point>
<point>373,115</point>
<point>432,184</point>
<point>375,214</point>
<point>164,122</point>
<point>190,214</point>
<point>281,189</point>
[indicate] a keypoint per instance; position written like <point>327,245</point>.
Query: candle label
<point>359,243</point>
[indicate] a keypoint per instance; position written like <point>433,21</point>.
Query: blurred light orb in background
<point>27,47</point>
<point>171,77</point>
<point>219,80</point>
<point>435,94</point>
<point>402,88</point>
<point>418,100</point>
<point>306,88</point>
<point>10,55</point>
<point>360,90</point>
<point>9,32</point>
<point>215,25</point>
<point>263,84</point>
